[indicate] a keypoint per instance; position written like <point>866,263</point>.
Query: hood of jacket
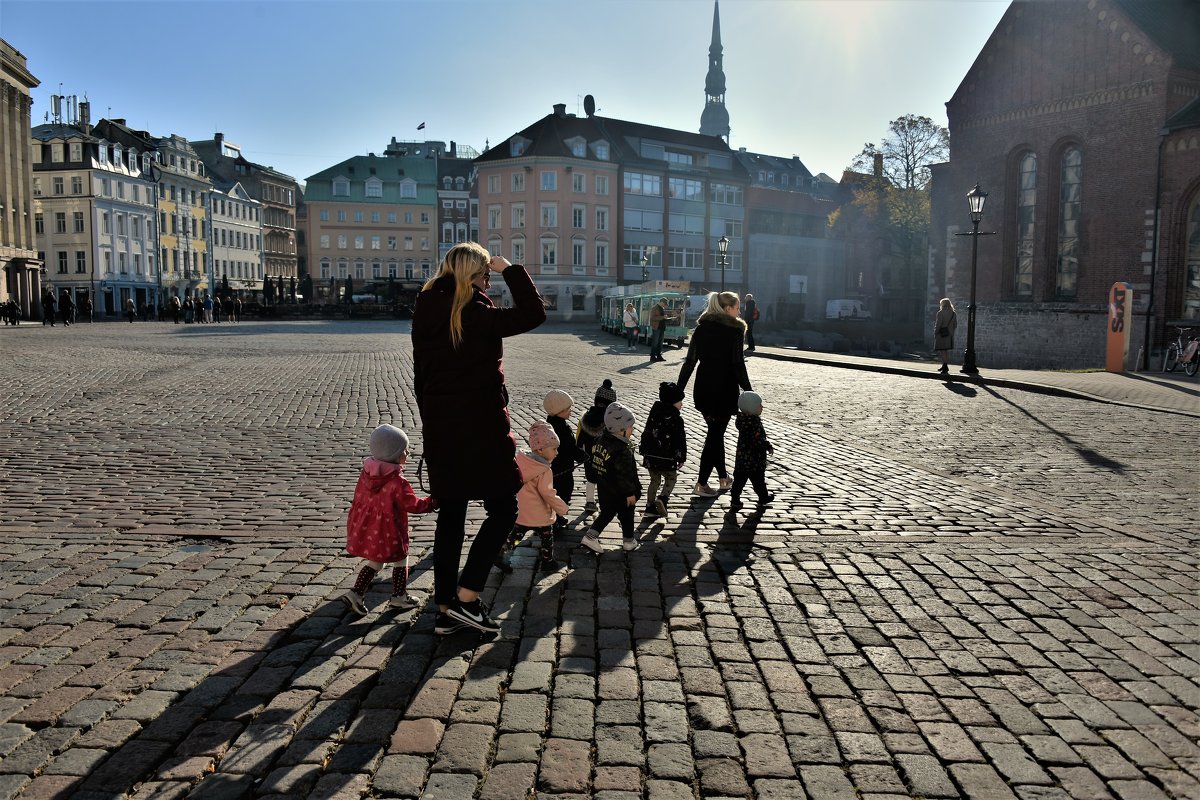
<point>721,318</point>
<point>378,473</point>
<point>531,465</point>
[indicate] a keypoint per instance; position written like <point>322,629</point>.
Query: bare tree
<point>912,144</point>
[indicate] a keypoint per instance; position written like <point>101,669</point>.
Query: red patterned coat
<point>378,526</point>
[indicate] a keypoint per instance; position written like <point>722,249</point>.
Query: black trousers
<point>613,506</point>
<point>758,479</point>
<point>448,539</point>
<point>749,334</point>
<point>713,455</point>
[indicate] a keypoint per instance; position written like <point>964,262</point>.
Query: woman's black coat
<point>717,346</point>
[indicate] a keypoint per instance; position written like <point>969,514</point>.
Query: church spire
<point>714,120</point>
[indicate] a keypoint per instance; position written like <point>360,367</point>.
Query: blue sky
<point>303,85</point>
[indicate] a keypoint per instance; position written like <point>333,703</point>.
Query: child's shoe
<point>660,507</point>
<point>404,602</point>
<point>650,511</point>
<point>503,561</point>
<point>704,490</point>
<point>590,506</point>
<point>628,542</point>
<point>354,601</point>
<point>735,506</point>
<point>550,564</point>
<point>591,540</point>
<point>560,525</point>
<point>725,483</point>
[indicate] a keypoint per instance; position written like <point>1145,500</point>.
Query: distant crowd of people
<point>198,308</point>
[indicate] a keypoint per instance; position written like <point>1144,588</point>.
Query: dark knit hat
<point>605,394</point>
<point>617,417</point>
<point>669,392</point>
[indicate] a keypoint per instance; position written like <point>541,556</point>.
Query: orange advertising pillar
<point>1120,318</point>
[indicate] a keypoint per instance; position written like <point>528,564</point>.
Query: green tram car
<point>643,296</point>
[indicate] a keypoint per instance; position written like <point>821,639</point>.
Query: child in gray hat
<point>377,530</point>
<point>617,480</point>
<point>753,447</point>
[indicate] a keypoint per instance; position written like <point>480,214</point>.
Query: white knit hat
<point>617,417</point>
<point>556,401</point>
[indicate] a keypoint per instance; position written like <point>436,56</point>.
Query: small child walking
<point>591,428</point>
<point>753,447</point>
<point>538,504</point>
<point>663,447</point>
<point>617,480</point>
<point>377,530</point>
<point>558,404</point>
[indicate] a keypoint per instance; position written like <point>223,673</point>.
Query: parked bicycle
<point>1183,351</point>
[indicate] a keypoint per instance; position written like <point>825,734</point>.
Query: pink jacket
<point>537,502</point>
<point>378,526</point>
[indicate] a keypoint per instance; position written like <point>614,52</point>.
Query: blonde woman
<point>943,332</point>
<point>716,346</point>
<point>630,321</point>
<point>469,450</point>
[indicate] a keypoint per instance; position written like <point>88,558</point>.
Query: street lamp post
<point>155,174</point>
<point>723,257</point>
<point>976,198</point>
<point>645,262</point>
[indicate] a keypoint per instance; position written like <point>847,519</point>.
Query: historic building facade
<point>1089,151</point>
<point>277,192</point>
<point>581,201</point>
<point>458,205</point>
<point>236,239</point>
<point>184,202</point>
<point>19,263</point>
<point>373,219</point>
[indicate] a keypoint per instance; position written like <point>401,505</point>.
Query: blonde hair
<point>947,304</point>
<point>719,301</point>
<point>466,261</point>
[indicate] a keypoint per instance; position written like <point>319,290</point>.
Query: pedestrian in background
<point>715,354</point>
<point>66,308</point>
<point>617,480</point>
<point>189,310</point>
<point>218,307</point>
<point>591,428</point>
<point>48,308</point>
<point>663,447</point>
<point>750,458</point>
<point>557,405</point>
<point>630,321</point>
<point>944,324</point>
<point>659,317</point>
<point>130,310</point>
<point>237,309</point>
<point>377,528</point>
<point>458,349</point>
<point>750,316</point>
<point>208,308</point>
<point>175,309</point>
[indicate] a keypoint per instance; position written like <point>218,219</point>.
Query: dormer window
<point>577,146</point>
<point>446,182</point>
<point>374,187</point>
<point>517,146</point>
<point>408,189</point>
<point>601,150</point>
<point>460,183</point>
<point>341,187</point>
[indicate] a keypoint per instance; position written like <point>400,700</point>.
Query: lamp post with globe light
<point>976,198</point>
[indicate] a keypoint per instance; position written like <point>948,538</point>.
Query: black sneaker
<point>445,625</point>
<point>766,499</point>
<point>472,614</point>
<point>735,506</point>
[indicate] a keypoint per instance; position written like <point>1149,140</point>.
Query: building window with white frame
<point>578,182</point>
<point>77,185</point>
<point>549,252</point>
<point>518,251</point>
<point>601,255</point>
<point>376,243</point>
<point>518,181</point>
<point>408,190</point>
<point>374,187</point>
<point>76,149</point>
<point>78,220</point>
<point>602,184</point>
<point>549,181</point>
<point>577,252</point>
<point>62,262</point>
<point>359,242</point>
<point>341,187</point>
<point>579,217</point>
<point>80,261</point>
<point>341,241</point>
<point>493,184</point>
<point>324,241</point>
<point>518,215</point>
<point>549,215</point>
<point>494,218</point>
<point>602,218</point>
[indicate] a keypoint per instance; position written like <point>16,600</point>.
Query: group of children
<point>377,530</point>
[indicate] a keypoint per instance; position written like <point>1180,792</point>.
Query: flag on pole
<point>421,127</point>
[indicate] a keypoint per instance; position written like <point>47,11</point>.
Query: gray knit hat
<point>617,417</point>
<point>388,443</point>
<point>750,403</point>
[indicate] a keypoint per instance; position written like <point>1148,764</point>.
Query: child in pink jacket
<point>538,504</point>
<point>377,530</point>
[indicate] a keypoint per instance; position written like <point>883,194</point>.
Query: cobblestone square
<point>959,591</point>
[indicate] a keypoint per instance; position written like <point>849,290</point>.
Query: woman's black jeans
<point>448,538</point>
<point>713,455</point>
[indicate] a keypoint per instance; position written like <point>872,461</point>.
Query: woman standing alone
<point>943,332</point>
<point>717,346</point>
<point>469,449</point>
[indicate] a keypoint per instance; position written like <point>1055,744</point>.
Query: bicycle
<point>1185,352</point>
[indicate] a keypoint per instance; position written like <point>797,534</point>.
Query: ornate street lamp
<point>976,198</point>
<point>723,257</point>
<point>645,261</point>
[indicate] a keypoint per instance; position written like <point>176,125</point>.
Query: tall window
<point>1191,289</point>
<point>1067,270</point>
<point>549,181</point>
<point>1026,206</point>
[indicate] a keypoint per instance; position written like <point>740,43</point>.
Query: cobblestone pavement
<point>970,592</point>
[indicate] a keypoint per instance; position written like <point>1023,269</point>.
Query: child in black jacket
<point>616,478</point>
<point>663,447</point>
<point>557,404</point>
<point>753,447</point>
<point>591,428</point>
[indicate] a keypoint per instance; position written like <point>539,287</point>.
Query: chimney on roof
<point>119,120</point>
<point>218,138</point>
<point>453,149</point>
<point>85,116</point>
<point>878,165</point>
<point>560,109</point>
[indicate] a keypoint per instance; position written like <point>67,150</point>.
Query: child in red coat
<point>377,530</point>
